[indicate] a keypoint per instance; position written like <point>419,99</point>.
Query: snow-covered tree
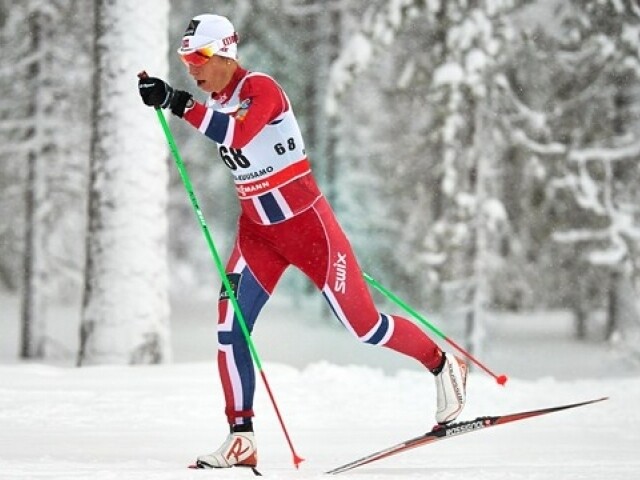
<point>41,40</point>
<point>13,130</point>
<point>582,130</point>
<point>434,147</point>
<point>126,314</point>
<point>35,265</point>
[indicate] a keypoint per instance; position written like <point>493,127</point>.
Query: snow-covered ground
<point>340,400</point>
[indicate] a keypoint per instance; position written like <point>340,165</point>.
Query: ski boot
<point>451,381</point>
<point>238,450</point>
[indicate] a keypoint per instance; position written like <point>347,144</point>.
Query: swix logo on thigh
<point>340,265</point>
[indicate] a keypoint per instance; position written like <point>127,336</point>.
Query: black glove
<point>159,94</point>
<point>180,100</point>
<point>155,92</point>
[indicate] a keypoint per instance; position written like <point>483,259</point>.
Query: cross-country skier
<point>285,220</point>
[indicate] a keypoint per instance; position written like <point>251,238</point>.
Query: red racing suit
<point>285,220</point>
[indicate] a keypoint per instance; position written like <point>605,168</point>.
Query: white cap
<point>207,29</point>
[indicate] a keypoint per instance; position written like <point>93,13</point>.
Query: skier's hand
<point>180,101</point>
<point>155,92</point>
<point>159,94</point>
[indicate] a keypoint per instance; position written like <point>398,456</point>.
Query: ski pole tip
<point>297,461</point>
<point>502,379</point>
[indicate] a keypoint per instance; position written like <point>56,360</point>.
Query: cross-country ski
<point>443,432</point>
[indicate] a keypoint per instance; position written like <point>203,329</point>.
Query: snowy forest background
<point>483,156</point>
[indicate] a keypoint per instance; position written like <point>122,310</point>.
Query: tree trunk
<point>125,316</point>
<point>612,306</point>
<point>33,331</point>
<point>580,312</point>
<point>623,317</point>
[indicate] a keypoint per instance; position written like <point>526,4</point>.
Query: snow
<point>354,59</point>
<point>449,73</point>
<point>340,400</point>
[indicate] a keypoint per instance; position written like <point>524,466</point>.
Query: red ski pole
<point>500,379</point>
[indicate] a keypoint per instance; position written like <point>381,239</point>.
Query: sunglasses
<point>200,56</point>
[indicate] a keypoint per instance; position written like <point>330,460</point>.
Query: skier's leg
<point>335,270</point>
<point>328,259</point>
<point>253,270</point>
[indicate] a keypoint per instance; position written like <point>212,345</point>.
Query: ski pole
<point>500,379</point>
<point>221,271</point>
